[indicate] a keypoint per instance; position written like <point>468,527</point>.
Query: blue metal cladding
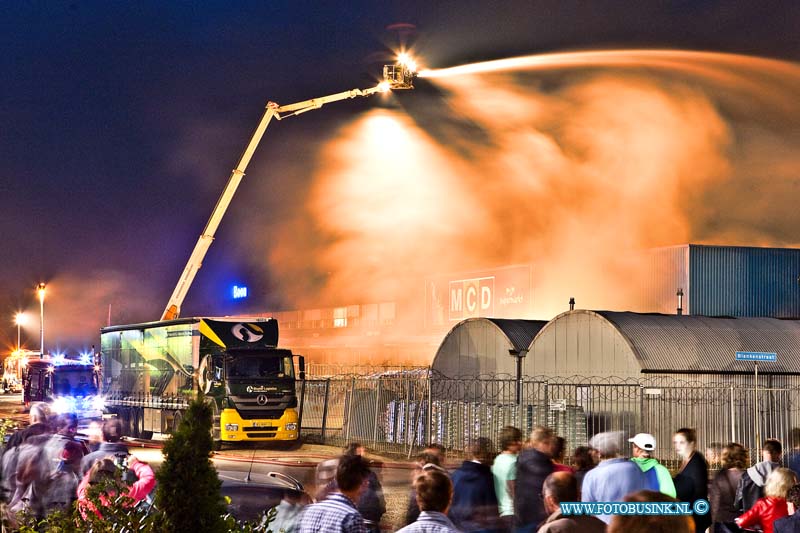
<point>744,281</point>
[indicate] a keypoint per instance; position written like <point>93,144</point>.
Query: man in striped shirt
<point>338,513</point>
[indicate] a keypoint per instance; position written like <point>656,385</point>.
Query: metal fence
<point>402,411</point>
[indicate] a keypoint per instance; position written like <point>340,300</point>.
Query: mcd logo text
<point>471,298</point>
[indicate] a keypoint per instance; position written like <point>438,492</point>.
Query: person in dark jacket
<point>433,455</point>
<point>371,504</point>
<point>751,485</point>
<point>722,491</point>
<point>793,455</point>
<point>38,416</point>
<point>691,483</point>
<point>583,460</point>
<point>791,523</point>
<point>474,506</point>
<point>111,445</point>
<point>533,467</point>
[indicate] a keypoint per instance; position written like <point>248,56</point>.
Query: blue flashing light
<point>72,404</point>
<point>239,292</point>
<point>86,359</point>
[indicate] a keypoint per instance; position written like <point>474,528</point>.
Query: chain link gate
<point>401,412</point>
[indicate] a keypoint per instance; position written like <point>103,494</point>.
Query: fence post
<point>350,410</point>
<point>325,410</point>
<point>377,412</point>
<point>520,403</point>
<point>302,405</point>
<point>642,424</point>
<point>407,409</point>
<point>733,418</point>
<point>411,434</point>
<point>546,405</point>
<point>429,420</point>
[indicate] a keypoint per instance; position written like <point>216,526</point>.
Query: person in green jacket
<point>658,477</point>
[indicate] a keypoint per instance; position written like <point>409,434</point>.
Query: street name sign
<point>756,356</point>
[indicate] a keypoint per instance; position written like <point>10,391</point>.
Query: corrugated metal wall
<point>475,347</point>
<point>723,281</point>
<point>742,281</point>
<point>580,344</point>
<point>668,272</point>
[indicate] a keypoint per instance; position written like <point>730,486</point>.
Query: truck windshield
<point>254,366</point>
<point>74,382</point>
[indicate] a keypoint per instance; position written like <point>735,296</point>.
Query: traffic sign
<point>756,356</point>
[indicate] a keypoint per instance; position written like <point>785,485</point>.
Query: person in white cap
<point>657,476</point>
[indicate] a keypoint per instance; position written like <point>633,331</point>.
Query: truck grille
<point>258,429</point>
<point>249,409</point>
<point>261,434</point>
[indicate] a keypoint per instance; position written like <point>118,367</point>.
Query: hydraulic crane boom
<point>397,76</point>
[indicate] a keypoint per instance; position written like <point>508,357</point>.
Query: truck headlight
<point>61,405</point>
<point>231,427</point>
<point>99,403</point>
<point>291,426</point>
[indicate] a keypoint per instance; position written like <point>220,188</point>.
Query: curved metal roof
<point>519,332</point>
<point>691,343</point>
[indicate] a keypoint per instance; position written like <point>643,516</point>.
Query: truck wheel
<point>135,433</point>
<point>216,430</point>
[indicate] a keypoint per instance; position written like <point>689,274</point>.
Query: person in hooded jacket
<point>474,507</point>
<point>657,475</point>
<point>751,484</point>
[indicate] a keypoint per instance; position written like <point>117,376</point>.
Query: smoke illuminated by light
<point>388,197</point>
<point>620,151</point>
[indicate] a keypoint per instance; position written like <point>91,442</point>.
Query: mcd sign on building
<point>471,297</point>
<point>501,293</point>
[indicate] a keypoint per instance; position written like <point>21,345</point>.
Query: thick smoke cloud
<point>578,171</point>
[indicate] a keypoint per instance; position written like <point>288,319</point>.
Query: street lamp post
<point>40,290</point>
<point>19,318</point>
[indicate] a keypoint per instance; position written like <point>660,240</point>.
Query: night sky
<point>121,122</point>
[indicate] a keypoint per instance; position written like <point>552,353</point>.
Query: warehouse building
<point>722,281</point>
<point>591,371</point>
